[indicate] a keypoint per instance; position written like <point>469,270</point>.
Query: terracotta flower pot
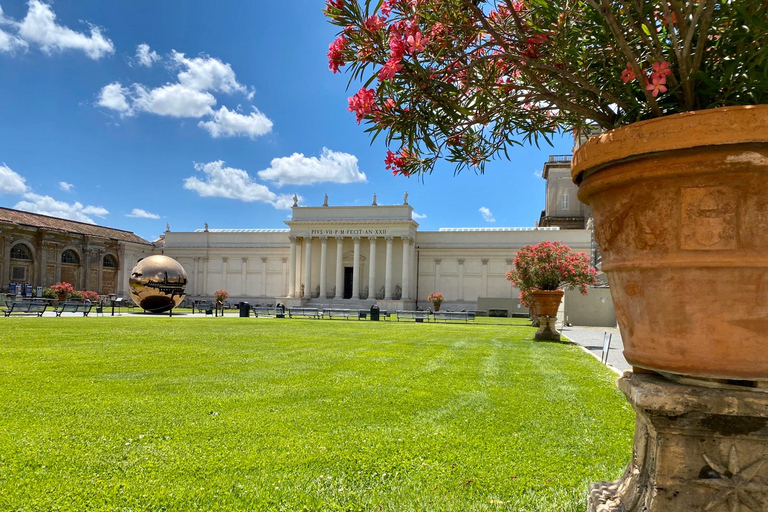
<point>436,305</point>
<point>546,303</point>
<point>681,217</point>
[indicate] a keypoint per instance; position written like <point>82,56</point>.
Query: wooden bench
<point>454,315</point>
<point>74,307</point>
<point>25,307</point>
<point>418,316</point>
<point>310,312</point>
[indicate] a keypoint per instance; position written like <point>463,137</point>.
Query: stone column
<point>57,259</point>
<point>6,280</point>
<point>292,268</point>
<point>461,279</point>
<point>323,267</point>
<point>264,268</point>
<point>224,272</point>
<point>406,268</point>
<point>437,274</point>
<point>85,268</point>
<point>356,269</point>
<point>372,267</point>
<point>307,267</point>
<point>511,265</point>
<point>100,255</point>
<point>244,276</point>
<point>283,276</point>
<point>42,263</point>
<point>339,267</point>
<point>388,271</point>
<point>204,287</point>
<point>195,284</point>
<point>484,278</point>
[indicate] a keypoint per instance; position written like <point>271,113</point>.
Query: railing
<point>559,158</point>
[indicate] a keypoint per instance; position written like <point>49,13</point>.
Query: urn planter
<point>681,217</point>
<point>546,304</point>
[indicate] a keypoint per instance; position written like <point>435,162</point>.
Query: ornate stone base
<point>547,331</point>
<point>696,449</point>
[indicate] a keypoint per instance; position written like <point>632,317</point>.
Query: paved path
<point>591,338</point>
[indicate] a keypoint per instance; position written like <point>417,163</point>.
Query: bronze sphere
<point>157,283</point>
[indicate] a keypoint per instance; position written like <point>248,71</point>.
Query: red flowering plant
<point>63,289</point>
<point>465,79</point>
<point>220,296</point>
<point>550,266</point>
<point>90,295</point>
<point>436,298</point>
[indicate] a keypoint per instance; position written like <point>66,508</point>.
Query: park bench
<point>74,307</point>
<point>267,311</point>
<point>341,313</point>
<point>418,316</point>
<point>362,314</point>
<point>310,312</point>
<point>25,307</point>
<point>202,306</point>
<point>454,315</point>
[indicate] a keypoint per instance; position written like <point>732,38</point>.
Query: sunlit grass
<point>267,414</point>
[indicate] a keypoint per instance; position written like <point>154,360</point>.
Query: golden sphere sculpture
<point>157,283</point>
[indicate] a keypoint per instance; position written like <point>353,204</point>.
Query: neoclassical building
<point>41,251</point>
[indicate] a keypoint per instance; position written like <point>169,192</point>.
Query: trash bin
<point>374,313</point>
<point>280,311</point>
<point>245,309</point>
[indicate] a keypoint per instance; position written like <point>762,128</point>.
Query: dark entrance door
<point>347,282</point>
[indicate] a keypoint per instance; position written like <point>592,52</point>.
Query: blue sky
<point>139,113</point>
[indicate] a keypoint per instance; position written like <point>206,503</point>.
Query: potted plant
<point>676,184</point>
<point>89,296</point>
<point>436,299</point>
<point>541,272</point>
<point>62,290</point>
<point>220,296</point>
<point>76,295</point>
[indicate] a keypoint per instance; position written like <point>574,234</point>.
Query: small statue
<point>325,200</point>
<point>405,197</point>
<point>374,201</point>
<point>295,200</point>
<point>167,227</point>
<point>301,294</point>
<point>206,227</point>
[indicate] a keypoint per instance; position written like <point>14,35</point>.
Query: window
<point>70,256</point>
<point>21,252</point>
<point>19,274</point>
<point>109,261</point>
<point>564,202</point>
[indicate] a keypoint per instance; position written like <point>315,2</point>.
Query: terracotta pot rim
<point>560,292</point>
<point>713,127</point>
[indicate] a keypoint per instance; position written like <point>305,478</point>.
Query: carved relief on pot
<point>709,218</point>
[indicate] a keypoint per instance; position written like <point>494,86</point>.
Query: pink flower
<point>390,69</point>
<point>661,71</point>
<point>375,23</point>
<point>336,53</point>
<point>416,42</point>
<point>657,85</point>
<point>396,46</point>
<point>628,74</point>
<point>362,103</point>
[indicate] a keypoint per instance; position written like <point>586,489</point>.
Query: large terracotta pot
<point>546,303</point>
<point>681,216</point>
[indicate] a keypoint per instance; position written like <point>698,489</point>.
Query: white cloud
<point>332,166</point>
<point>173,100</point>
<point>419,216</point>
<point>46,205</point>
<point>138,213</point>
<point>39,27</point>
<point>145,56</point>
<point>231,183</point>
<point>9,42</point>
<point>208,74</point>
<point>228,123</point>
<point>487,215</point>
<point>114,96</point>
<point>538,174</point>
<point>66,187</point>
<point>11,182</point>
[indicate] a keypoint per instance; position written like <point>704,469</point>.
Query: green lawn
<point>173,414</point>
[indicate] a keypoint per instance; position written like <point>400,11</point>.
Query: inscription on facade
<point>348,232</point>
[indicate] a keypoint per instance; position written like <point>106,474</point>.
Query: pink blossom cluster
<point>657,77</point>
<point>362,103</point>
<point>395,162</point>
<point>550,266</point>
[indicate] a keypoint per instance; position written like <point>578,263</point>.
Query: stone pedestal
<point>547,331</point>
<point>696,449</point>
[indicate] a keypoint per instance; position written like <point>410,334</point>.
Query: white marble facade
<point>357,254</point>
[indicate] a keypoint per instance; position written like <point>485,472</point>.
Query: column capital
<point>263,260</point>
<point>389,239</point>
<point>244,260</point>
<point>323,239</point>
<point>308,239</point>
<point>356,239</point>
<point>461,261</point>
<point>294,239</point>
<point>284,259</point>
<point>407,239</point>
<point>225,259</point>
<point>372,239</point>
<point>485,261</point>
<point>438,261</point>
